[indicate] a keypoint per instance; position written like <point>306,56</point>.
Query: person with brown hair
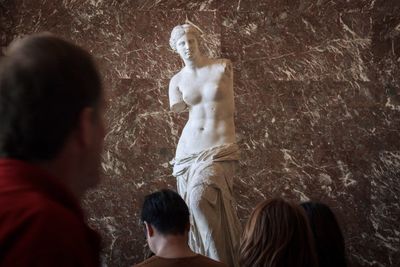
<point>277,234</point>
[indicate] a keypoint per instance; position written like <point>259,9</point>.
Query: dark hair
<point>277,234</point>
<point>328,237</point>
<point>166,211</point>
<point>45,82</point>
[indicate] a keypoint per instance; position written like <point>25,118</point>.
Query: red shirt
<point>41,223</point>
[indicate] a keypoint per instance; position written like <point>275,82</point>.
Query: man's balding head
<point>45,83</point>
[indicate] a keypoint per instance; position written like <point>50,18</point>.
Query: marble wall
<point>317,87</point>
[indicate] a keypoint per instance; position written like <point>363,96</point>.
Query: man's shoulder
<point>29,197</point>
<point>45,226</point>
<point>208,262</point>
<point>37,205</point>
<point>195,261</point>
<point>39,213</point>
<point>148,262</point>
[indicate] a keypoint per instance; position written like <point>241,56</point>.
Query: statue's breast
<point>208,85</point>
<point>191,95</point>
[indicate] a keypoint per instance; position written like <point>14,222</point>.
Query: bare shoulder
<point>225,63</point>
<point>225,66</point>
<point>221,61</point>
<point>175,79</point>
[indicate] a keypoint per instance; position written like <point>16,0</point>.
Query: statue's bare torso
<point>207,153</point>
<point>207,91</point>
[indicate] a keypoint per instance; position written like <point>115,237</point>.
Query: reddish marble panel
<point>290,48</point>
<point>151,5</point>
<point>319,8</point>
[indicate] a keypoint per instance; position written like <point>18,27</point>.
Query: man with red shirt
<point>51,137</point>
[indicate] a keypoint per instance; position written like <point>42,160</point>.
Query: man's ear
<point>86,127</point>
<point>149,229</point>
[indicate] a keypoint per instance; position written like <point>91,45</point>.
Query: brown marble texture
<point>317,91</point>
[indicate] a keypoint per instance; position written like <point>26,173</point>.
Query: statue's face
<point>187,46</point>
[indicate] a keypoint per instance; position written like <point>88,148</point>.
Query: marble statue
<point>207,153</point>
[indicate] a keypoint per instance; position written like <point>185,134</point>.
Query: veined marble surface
<point>317,86</point>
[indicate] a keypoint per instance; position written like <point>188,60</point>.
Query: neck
<point>173,246</point>
<point>193,64</point>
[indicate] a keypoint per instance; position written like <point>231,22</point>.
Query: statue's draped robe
<point>205,182</point>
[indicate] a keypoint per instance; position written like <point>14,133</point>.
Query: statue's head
<point>181,30</point>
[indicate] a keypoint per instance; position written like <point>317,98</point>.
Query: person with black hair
<point>51,138</point>
<point>165,216</point>
<point>328,237</point>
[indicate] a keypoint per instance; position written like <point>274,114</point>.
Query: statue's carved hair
<point>181,30</point>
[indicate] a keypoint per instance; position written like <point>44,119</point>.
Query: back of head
<point>328,237</point>
<point>45,82</point>
<point>166,211</point>
<point>277,234</point>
